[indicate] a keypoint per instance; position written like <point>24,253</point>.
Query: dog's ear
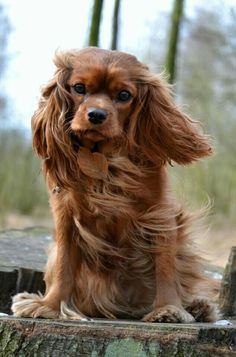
<point>54,104</point>
<point>41,120</point>
<point>50,123</point>
<point>163,130</point>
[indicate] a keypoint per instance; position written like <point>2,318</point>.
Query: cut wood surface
<point>24,248</point>
<point>22,262</point>
<point>28,337</point>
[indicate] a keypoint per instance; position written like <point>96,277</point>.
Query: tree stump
<point>228,290</point>
<point>22,261</point>
<point>104,338</point>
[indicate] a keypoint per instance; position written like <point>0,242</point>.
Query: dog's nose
<point>97,115</point>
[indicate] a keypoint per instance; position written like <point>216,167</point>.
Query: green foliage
<point>21,187</point>
<point>206,83</point>
<point>206,88</point>
<point>212,180</point>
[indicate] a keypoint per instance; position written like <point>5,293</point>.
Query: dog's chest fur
<point>115,221</point>
<point>106,215</point>
<point>112,246</point>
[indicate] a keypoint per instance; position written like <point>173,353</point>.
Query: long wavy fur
<point>122,241</point>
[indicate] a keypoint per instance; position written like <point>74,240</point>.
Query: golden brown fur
<point>122,246</point>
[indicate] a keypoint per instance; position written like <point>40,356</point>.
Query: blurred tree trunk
<point>115,25</point>
<point>95,23</point>
<point>176,19</point>
<point>4,31</point>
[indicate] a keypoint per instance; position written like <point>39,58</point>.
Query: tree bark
<point>228,291</point>
<point>176,19</point>
<point>97,338</point>
<point>95,23</point>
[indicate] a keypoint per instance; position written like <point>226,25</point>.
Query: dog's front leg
<point>167,306</point>
<point>60,276</point>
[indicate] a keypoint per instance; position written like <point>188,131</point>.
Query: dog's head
<point>103,93</point>
<point>100,95</point>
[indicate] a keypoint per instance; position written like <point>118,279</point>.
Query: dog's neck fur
<point>131,176</point>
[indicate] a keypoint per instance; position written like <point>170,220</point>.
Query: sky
<point>40,27</point>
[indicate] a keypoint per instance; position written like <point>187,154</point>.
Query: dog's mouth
<point>90,139</point>
<point>93,135</point>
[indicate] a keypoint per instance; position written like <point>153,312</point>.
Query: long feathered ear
<point>162,130</point>
<point>40,123</point>
<point>50,136</point>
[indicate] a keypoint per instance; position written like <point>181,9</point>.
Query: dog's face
<point>103,96</point>
<point>97,95</point>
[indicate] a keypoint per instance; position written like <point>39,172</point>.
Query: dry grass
<point>217,244</point>
<point>20,221</point>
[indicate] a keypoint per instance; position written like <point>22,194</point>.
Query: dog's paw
<point>169,314</point>
<point>71,313</point>
<point>32,305</point>
<point>203,310</point>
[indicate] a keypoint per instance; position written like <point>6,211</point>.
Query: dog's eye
<point>80,88</point>
<point>124,96</point>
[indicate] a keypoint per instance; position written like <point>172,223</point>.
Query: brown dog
<point>106,128</point>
